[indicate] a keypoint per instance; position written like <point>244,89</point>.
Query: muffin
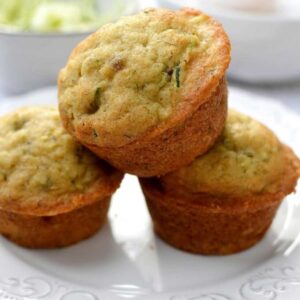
<point>53,191</point>
<point>225,200</point>
<point>148,93</point>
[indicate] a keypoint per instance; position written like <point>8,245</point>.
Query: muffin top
<point>247,159</point>
<point>140,72</point>
<point>40,163</point>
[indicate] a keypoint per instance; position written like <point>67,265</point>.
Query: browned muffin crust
<point>196,230</point>
<point>41,206</point>
<point>56,231</point>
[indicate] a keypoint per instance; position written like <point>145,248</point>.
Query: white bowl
<point>265,46</point>
<point>30,60</point>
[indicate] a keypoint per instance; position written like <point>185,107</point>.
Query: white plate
<point>126,260</point>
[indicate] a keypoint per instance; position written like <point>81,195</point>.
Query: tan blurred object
<point>249,5</point>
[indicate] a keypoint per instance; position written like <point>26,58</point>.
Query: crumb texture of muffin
<point>35,150</point>
<point>136,73</point>
<point>248,158</point>
<point>225,200</point>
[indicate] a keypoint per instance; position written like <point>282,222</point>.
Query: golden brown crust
<point>215,224</point>
<point>54,231</point>
<point>174,148</point>
<point>202,232</point>
<point>66,202</point>
<point>237,202</point>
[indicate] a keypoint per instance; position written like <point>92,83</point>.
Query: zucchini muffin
<point>148,93</point>
<point>53,191</point>
<point>225,200</point>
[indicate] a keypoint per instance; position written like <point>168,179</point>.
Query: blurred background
<point>36,37</point>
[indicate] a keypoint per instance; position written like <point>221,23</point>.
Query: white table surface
<point>287,94</point>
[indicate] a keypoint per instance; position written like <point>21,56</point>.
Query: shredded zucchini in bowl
<point>55,15</point>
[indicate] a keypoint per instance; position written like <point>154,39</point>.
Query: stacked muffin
<point>148,95</point>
